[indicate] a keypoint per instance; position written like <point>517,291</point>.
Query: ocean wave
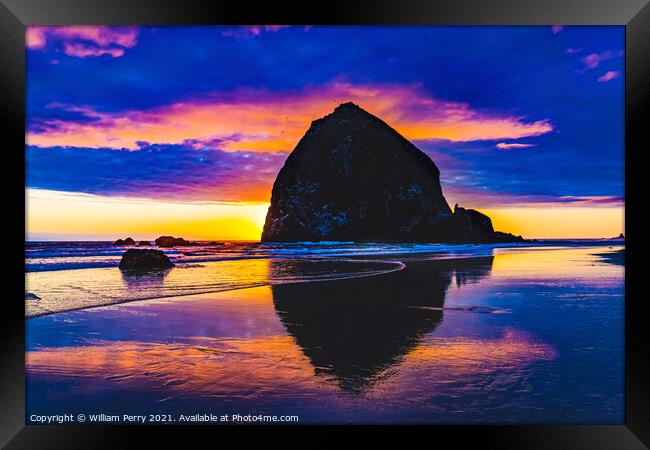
<point>41,257</point>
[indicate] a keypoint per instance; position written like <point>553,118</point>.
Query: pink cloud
<point>84,41</point>
<point>508,146</point>
<point>275,27</point>
<point>555,29</point>
<point>250,31</point>
<point>610,75</point>
<point>35,37</point>
<point>472,198</point>
<point>592,60</point>
<point>275,121</point>
<point>83,51</point>
<point>572,50</point>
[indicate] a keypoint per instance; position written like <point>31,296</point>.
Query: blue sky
<point>511,115</point>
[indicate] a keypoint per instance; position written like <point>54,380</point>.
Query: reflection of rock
<point>144,261</point>
<point>145,281</point>
<point>170,241</point>
<point>356,328</point>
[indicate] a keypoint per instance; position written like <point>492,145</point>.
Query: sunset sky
<point>144,131</point>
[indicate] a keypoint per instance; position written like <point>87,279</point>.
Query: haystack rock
<point>354,178</point>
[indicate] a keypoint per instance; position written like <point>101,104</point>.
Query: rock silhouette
<point>170,241</point>
<point>124,242</point>
<point>136,260</point>
<point>354,178</point>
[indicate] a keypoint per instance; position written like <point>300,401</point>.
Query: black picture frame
<point>16,14</point>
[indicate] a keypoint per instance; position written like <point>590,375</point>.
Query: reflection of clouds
<point>274,367</point>
<point>457,366</point>
<point>244,368</point>
<point>460,356</point>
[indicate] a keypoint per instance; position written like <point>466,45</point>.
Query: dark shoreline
<point>616,257</point>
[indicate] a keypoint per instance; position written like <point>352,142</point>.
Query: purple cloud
<point>83,41</point>
<point>181,172</point>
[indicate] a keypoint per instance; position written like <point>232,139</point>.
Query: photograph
<point>325,225</point>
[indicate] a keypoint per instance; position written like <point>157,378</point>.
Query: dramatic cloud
<point>275,121</point>
<point>609,75</point>
<point>83,41</point>
<point>143,121</point>
<point>163,172</point>
<point>508,146</point>
<point>593,60</point>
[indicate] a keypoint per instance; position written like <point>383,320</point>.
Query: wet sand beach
<point>518,336</point>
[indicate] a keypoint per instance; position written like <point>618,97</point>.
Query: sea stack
<point>135,260</point>
<point>354,178</point>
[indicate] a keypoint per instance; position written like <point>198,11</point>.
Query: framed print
<point>384,217</point>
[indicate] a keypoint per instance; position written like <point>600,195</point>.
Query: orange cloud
<point>270,121</point>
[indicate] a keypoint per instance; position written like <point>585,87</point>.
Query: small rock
<point>124,242</point>
<point>30,296</point>
<point>170,241</point>
<point>144,261</point>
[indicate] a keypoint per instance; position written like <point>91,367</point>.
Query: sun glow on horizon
<point>546,222</point>
<point>55,215</point>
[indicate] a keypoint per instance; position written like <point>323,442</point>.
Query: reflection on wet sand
<point>145,280</point>
<point>354,329</point>
<point>413,345</point>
